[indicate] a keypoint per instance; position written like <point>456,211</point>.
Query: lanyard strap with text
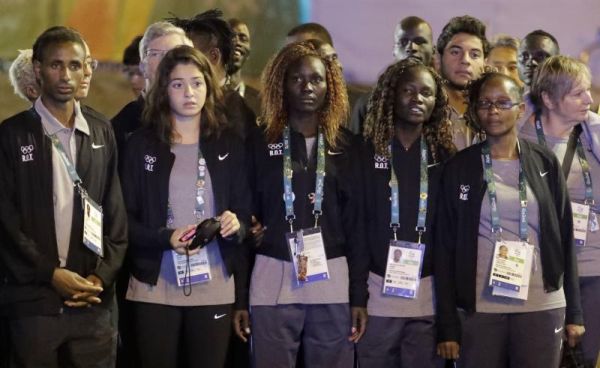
<point>288,194</point>
<point>423,194</point>
<point>200,184</point>
<point>491,187</point>
<point>585,166</point>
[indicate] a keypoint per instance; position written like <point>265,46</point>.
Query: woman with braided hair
<point>408,136</point>
<point>308,285</point>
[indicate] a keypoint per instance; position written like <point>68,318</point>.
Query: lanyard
<point>491,187</point>
<point>69,166</point>
<point>288,194</point>
<point>200,184</point>
<point>423,194</point>
<point>585,166</point>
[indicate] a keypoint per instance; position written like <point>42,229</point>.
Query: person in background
<point>241,51</point>
<point>504,191</point>
<point>158,38</point>
<point>22,77</point>
<point>407,130</point>
<point>462,48</point>
<point>536,47</point>
<point>212,35</point>
<point>413,39</point>
<point>303,144</point>
<point>560,92</point>
<point>131,66</point>
<point>503,54</point>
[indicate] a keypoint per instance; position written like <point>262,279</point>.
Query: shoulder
<point>17,121</point>
<point>537,152</point>
<point>467,155</point>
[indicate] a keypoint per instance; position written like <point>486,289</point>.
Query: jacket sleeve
<point>354,225</point>
<point>574,314</point>
<point>444,258</point>
<point>139,234</point>
<point>241,200</point>
<point>18,252</point>
<point>114,220</point>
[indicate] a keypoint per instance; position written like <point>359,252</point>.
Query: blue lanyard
<point>423,194</point>
<point>69,166</point>
<point>491,187</point>
<point>585,166</point>
<point>288,194</point>
<point>200,184</point>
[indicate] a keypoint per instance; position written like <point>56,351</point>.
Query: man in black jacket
<point>56,290</point>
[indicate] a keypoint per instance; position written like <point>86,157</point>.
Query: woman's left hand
<point>574,333</point>
<point>229,224</point>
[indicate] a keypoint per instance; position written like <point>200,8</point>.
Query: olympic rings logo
<point>27,149</point>
<point>380,159</point>
<point>150,159</point>
<point>275,146</point>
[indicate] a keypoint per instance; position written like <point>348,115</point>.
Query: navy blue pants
<point>399,342</point>
<point>323,330</point>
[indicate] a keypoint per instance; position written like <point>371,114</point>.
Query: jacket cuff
<point>164,237</point>
<point>359,299</point>
<point>45,272</point>
<point>574,319</point>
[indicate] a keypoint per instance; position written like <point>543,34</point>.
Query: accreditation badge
<point>307,251</point>
<point>403,269</point>
<point>581,222</point>
<point>511,269</point>
<point>198,271</point>
<point>92,226</point>
<point>593,222</point>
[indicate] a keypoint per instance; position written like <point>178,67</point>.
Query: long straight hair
<point>157,110</point>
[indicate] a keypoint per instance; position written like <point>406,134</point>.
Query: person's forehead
<point>308,63</point>
<point>465,41</point>
<point>502,53</point>
<point>242,28</point>
<point>167,41</point>
<point>414,30</point>
<point>537,42</point>
<point>63,49</point>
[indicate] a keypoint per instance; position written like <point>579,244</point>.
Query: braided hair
<point>380,119</point>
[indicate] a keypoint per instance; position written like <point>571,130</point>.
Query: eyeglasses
<point>152,53</point>
<point>92,63</point>
<point>500,105</point>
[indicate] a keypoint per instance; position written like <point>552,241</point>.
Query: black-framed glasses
<point>500,105</point>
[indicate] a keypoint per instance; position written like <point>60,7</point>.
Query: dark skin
<point>305,87</point>
<point>413,39</point>
<point>532,52</point>
<point>60,73</point>
<point>415,99</point>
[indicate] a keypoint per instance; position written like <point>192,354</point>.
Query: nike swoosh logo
<point>331,153</point>
<point>557,330</point>
<point>219,316</point>
<point>96,146</point>
<point>542,174</point>
<point>432,165</point>
<point>221,158</point>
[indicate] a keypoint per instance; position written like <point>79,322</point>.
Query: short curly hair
<point>332,115</point>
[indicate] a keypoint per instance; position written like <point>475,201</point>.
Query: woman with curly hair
<point>308,285</point>
<point>408,135</point>
<point>504,307</point>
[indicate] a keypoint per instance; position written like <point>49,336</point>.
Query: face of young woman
<point>415,97</point>
<point>305,86</point>
<point>575,105</point>
<point>186,90</point>
<point>496,108</point>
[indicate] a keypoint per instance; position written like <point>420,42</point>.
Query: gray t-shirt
<point>182,192</point>
<point>588,256</point>
<point>506,175</point>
